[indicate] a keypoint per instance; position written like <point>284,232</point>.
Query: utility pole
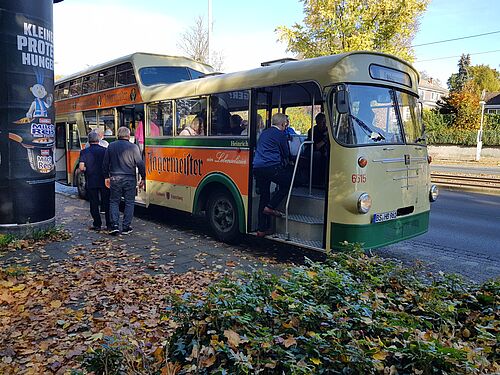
<point>210,30</point>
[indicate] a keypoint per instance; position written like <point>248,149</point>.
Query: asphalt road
<point>464,236</point>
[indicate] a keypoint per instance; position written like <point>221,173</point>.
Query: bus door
<point>132,117</point>
<point>260,119</point>
<point>73,148</point>
<point>60,154</point>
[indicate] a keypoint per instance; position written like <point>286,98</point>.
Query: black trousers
<point>96,196</point>
<point>281,176</point>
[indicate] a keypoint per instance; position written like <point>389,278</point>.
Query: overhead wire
<point>460,38</point>
<point>452,57</point>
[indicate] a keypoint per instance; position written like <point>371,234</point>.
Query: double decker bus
<point>372,186</point>
<point>108,96</point>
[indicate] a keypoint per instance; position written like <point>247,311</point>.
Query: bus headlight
<point>364,203</point>
<point>433,193</point>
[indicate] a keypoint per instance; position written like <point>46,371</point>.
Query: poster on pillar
<point>27,131</point>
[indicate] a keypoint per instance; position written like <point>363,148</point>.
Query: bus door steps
<point>307,228</point>
<point>301,203</point>
<point>310,244</point>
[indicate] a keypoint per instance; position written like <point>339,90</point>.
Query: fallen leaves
<point>82,301</point>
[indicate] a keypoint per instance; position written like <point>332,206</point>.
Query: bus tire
<point>222,215</point>
<point>80,184</point>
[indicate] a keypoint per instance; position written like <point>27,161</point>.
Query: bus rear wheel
<point>80,184</point>
<point>223,217</point>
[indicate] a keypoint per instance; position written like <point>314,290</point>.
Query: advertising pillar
<point>27,173</point>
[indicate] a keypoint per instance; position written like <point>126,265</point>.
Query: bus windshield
<point>166,74</point>
<point>373,117</point>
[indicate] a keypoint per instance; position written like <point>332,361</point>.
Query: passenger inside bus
<point>219,117</point>
<point>194,128</point>
<point>235,123</point>
<point>320,150</point>
<point>110,125</point>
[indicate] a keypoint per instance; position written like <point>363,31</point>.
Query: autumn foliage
<point>353,315</point>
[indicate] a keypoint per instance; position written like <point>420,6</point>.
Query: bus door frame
<point>64,126</point>
<point>253,145</point>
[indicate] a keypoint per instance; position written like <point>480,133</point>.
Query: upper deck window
<point>166,74</point>
<point>89,83</point>
<point>125,75</point>
<point>107,78</point>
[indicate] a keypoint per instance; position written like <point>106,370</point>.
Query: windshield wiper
<point>374,136</point>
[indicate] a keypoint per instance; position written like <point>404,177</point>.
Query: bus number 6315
<point>358,178</point>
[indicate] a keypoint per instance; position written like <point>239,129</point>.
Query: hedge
<point>440,130</point>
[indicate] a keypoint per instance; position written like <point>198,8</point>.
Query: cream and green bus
<point>373,187</point>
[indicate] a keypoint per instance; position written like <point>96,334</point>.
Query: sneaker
<point>114,231</point>
<point>127,230</point>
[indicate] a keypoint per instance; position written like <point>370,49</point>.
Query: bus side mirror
<point>342,101</point>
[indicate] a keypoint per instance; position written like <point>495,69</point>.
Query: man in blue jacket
<point>271,165</point>
<point>119,164</point>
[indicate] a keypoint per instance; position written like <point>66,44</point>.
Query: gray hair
<point>93,137</point>
<point>278,119</point>
<point>123,132</point>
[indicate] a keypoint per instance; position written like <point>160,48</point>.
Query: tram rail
<point>470,182</point>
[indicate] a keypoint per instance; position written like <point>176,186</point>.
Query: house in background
<point>430,92</point>
<point>492,100</point>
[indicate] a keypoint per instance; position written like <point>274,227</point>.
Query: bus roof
<point>142,59</point>
<point>351,67</point>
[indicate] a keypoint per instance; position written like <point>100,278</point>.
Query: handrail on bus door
<point>291,186</point>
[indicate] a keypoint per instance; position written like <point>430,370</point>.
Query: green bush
<point>353,314</point>
<point>440,130</point>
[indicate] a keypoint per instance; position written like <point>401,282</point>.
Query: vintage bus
<point>108,96</point>
<point>371,186</point>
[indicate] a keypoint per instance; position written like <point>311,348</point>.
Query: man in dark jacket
<point>91,164</point>
<point>271,165</point>
<point>119,165</point>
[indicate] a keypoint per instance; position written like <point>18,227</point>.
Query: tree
<point>457,80</point>
<point>194,43</point>
<point>336,26</point>
<point>485,78</point>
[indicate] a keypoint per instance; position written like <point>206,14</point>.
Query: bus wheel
<point>223,217</point>
<point>80,184</point>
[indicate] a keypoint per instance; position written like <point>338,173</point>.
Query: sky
<point>89,32</point>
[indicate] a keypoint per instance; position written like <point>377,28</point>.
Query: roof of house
<point>492,98</point>
<point>431,85</point>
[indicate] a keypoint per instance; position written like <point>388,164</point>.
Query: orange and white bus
<point>108,96</point>
<point>374,184</point>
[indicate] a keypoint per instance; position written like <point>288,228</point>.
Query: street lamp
<point>480,133</point>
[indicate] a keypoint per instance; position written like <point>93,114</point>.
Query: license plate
<point>385,216</point>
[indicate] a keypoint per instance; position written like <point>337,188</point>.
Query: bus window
<point>75,87</point>
<point>106,79</point>
<point>187,110</point>
<point>229,113</point>
<point>409,110</point>
<point>61,135</point>
<point>74,138</point>
<point>160,119</point>
<point>107,121</point>
<point>125,74</point>
<point>90,120</point>
<point>163,74</point>
<point>372,118</point>
<point>63,91</point>
<point>89,83</point>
